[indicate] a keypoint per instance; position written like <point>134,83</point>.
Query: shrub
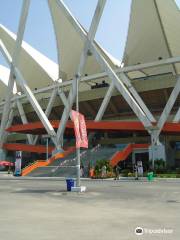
<point>99,165</point>
<point>159,166</point>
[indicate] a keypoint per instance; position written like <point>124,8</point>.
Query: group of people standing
<point>138,170</point>
<point>103,172</point>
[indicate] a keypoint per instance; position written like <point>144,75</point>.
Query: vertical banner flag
<point>80,129</point>
<point>18,163</point>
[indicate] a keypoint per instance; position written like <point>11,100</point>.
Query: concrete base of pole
<point>78,189</point>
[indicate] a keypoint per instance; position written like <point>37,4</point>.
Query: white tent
<point>4,76</point>
<point>154,34</point>
<point>37,69</point>
<point>70,44</point>
<point>40,71</point>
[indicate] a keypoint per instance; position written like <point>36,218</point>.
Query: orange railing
<point>123,155</point>
<point>44,163</point>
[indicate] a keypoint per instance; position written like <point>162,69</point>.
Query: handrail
<point>123,155</point>
<point>44,163</point>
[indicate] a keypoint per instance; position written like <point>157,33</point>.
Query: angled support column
<point>103,107</point>
<point>168,108</point>
<point>48,109</point>
<point>105,66</point>
<point>121,88</point>
<point>30,96</point>
<point>63,97</point>
<point>177,116</point>
<point>157,150</point>
<point>24,120</point>
<point>89,40</point>
<point>51,102</point>
<point>10,119</point>
<point>11,115</point>
<point>105,102</point>
<point>15,59</point>
<point>66,113</point>
<point>134,93</point>
<point>42,116</point>
<point>66,105</point>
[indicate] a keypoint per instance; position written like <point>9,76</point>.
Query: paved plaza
<point>43,210</point>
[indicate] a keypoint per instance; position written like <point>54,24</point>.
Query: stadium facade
<point>135,102</point>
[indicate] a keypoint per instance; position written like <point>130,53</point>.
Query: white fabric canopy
<point>70,46</point>
<point>38,70</point>
<point>154,33</point>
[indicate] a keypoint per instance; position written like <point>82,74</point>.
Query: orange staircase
<point>123,155</point>
<point>44,163</point>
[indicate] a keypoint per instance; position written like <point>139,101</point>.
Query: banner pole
<point>78,184</point>
<point>47,147</point>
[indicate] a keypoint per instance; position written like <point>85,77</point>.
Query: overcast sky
<point>39,31</point>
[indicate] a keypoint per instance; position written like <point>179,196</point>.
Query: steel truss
<point>118,77</point>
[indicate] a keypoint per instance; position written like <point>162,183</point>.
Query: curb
<point>122,179</point>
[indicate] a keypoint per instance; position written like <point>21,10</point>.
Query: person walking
<point>82,171</point>
<point>136,171</point>
<point>117,172</point>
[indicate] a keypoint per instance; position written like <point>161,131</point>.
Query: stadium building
<point>132,108</point>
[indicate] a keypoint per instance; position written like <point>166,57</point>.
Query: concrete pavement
<point>42,209</point>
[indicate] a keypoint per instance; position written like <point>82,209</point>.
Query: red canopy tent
<point>6,163</point>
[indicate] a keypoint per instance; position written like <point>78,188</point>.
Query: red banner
<point>80,129</point>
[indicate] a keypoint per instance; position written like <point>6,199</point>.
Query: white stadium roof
<point>154,33</point>
<point>70,45</point>
<point>37,69</point>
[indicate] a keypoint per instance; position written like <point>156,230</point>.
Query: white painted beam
<point>51,102</point>
<point>95,76</point>
<point>10,120</point>
<point>11,115</point>
<point>109,71</point>
<point>168,108</point>
<point>37,108</point>
<point>105,102</point>
<point>63,97</point>
<point>177,117</point>
<point>139,100</point>
<point>90,38</point>
<point>15,59</point>
<point>120,86</point>
<point>64,100</point>
<point>49,108</point>
<point>24,120</point>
